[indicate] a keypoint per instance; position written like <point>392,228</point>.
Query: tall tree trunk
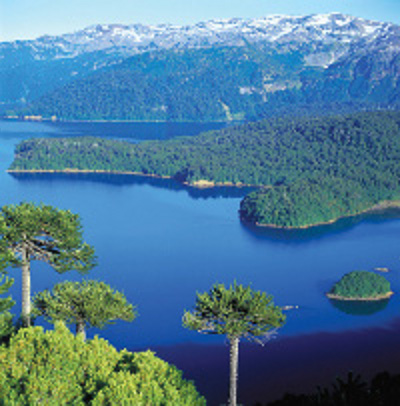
<point>26,288</point>
<point>234,362</point>
<point>80,329</point>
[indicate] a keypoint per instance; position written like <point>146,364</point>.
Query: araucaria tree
<point>237,312</point>
<point>44,233</point>
<point>86,304</point>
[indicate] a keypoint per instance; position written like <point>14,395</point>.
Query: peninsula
<point>308,171</point>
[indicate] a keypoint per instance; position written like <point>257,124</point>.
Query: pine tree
<point>44,233</point>
<point>86,304</point>
<point>237,312</point>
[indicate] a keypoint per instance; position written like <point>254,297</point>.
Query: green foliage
<point>361,284</point>
<point>54,367</point>
<point>316,200</point>
<point>206,84</point>
<point>48,234</point>
<point>90,303</point>
<point>156,383</point>
<point>214,83</point>
<point>316,169</point>
<point>6,326</point>
<point>236,312</point>
<point>5,303</point>
<point>6,253</point>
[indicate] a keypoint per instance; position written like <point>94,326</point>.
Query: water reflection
<point>135,130</point>
<point>359,308</point>
<point>124,180</point>
<point>122,130</point>
<point>295,364</point>
<point>260,233</point>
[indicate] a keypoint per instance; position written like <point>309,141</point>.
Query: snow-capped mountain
<point>307,55</point>
<point>280,29</point>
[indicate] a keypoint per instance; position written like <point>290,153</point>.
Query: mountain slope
<point>289,61</point>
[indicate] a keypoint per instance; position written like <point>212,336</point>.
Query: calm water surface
<point>160,243</point>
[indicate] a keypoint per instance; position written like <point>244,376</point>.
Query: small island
<point>361,286</point>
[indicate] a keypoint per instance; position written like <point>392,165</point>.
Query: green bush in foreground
<point>361,284</point>
<point>6,303</point>
<point>57,368</point>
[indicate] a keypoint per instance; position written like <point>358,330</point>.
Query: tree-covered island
<point>361,285</point>
<point>309,171</point>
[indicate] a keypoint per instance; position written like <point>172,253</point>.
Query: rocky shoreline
<point>360,299</point>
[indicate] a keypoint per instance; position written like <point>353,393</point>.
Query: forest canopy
<point>309,170</point>
<point>361,285</point>
<point>56,367</point>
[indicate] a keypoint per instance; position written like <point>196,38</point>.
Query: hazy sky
<point>21,19</point>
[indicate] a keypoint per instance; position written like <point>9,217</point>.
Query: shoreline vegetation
<point>379,207</point>
<point>199,184</point>
<point>39,118</point>
<point>361,286</point>
<point>308,171</point>
<point>206,184</point>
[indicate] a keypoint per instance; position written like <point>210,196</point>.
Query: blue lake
<point>160,242</point>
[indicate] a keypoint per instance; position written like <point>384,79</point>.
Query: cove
<point>160,242</point>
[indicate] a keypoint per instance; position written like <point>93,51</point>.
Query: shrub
<point>55,367</point>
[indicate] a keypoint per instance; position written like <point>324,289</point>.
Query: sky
<point>27,19</point>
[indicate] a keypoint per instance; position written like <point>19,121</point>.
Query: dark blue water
<point>160,243</point>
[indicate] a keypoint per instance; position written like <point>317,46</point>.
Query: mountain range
<point>215,70</point>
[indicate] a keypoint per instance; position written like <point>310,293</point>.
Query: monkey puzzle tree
<point>44,233</point>
<point>237,312</point>
<point>86,304</point>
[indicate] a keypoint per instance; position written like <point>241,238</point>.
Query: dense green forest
<point>220,83</point>
<point>360,285</point>
<point>310,170</point>
<point>57,368</point>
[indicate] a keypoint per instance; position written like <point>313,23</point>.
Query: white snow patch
<point>284,32</point>
<point>320,19</point>
<point>370,29</point>
<point>342,22</point>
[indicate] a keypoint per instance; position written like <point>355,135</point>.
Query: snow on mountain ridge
<point>271,22</point>
<point>281,29</point>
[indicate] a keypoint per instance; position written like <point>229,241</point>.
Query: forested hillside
<point>215,70</point>
<point>221,84</point>
<point>310,170</point>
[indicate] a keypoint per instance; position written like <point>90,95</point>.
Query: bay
<point>160,243</point>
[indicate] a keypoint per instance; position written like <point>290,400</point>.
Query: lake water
<point>160,242</point>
